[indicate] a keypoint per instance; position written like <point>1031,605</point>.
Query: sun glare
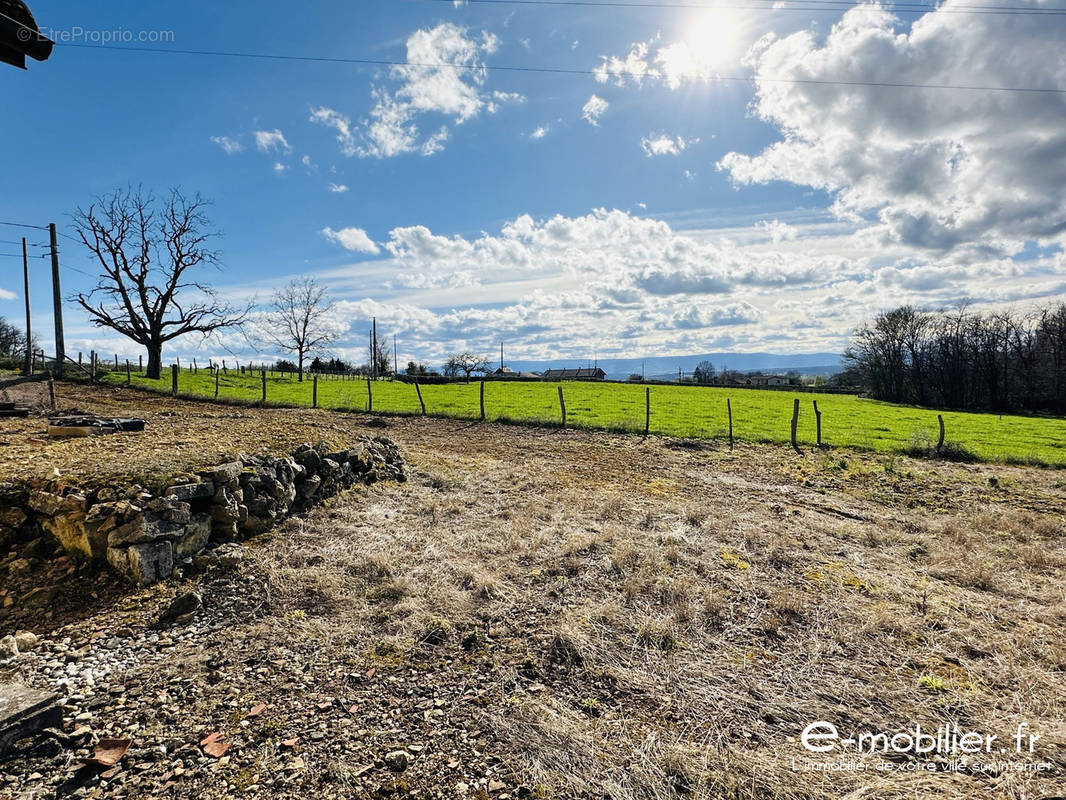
<point>714,39</point>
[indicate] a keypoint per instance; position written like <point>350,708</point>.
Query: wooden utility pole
<point>395,362</point>
<point>374,348</point>
<point>57,302</point>
<point>28,369</point>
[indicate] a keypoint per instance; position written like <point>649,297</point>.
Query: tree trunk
<point>300,366</point>
<point>155,361</point>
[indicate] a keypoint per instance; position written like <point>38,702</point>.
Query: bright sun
<point>714,38</point>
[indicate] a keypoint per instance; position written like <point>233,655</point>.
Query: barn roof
<point>15,45</point>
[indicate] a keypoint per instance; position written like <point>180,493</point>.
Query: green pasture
<point>691,411</point>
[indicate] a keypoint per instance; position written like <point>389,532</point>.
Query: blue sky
<point>653,210</point>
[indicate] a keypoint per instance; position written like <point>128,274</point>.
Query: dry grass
<point>612,617</point>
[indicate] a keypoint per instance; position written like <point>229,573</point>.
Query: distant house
<point>765,380</point>
<point>579,374</point>
<point>504,372</point>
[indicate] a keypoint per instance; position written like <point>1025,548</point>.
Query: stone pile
<point>142,534</point>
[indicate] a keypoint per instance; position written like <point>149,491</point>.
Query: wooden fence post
<point>129,377</point>
<point>369,398</point>
<point>647,409</point>
<point>140,363</point>
<point>481,399</point>
<point>33,361</point>
<point>421,402</point>
<point>817,422</point>
<point>795,423</point>
<point>92,366</point>
<point>940,441</point>
<point>216,383</point>
<point>174,379</point>
<point>116,361</point>
<point>195,366</point>
<point>51,393</point>
<point>264,378</point>
<point>729,410</point>
<point>314,390</point>
<point>562,405</point>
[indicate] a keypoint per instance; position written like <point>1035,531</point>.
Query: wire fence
<point>704,412</point>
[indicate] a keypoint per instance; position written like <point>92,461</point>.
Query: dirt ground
<point>556,613</point>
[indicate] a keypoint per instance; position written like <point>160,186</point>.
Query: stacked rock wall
<point>143,535</point>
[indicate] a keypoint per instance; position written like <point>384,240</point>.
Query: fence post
<point>216,383</point>
<point>140,363</point>
<point>647,409</point>
<point>818,422</point>
<point>195,367</point>
<point>940,441</point>
<point>92,366</point>
<point>174,379</point>
<point>51,393</point>
<point>562,405</point>
<point>482,401</point>
<point>116,360</point>
<point>421,402</point>
<point>264,378</point>
<point>33,361</point>
<point>129,377</point>
<point>314,390</point>
<point>369,398</point>
<point>729,410</point>
<point>795,422</point>
<point>79,358</point>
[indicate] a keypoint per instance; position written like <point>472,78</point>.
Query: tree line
<point>994,361</point>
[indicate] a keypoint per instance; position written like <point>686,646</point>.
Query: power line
<point>805,5</point>
<point>376,62</point>
<point>24,225</point>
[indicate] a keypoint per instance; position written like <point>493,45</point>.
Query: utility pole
<point>395,362</point>
<point>374,348</point>
<point>57,301</point>
<point>28,369</point>
<point>501,355</point>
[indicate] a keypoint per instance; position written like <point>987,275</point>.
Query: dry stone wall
<point>142,534</point>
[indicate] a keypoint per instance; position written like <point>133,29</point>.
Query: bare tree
<point>151,255</point>
<point>467,364</point>
<point>298,321</point>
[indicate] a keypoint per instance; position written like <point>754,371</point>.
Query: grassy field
<point>690,411</point>
<point>546,614</point>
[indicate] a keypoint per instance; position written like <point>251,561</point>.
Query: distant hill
<point>666,367</point>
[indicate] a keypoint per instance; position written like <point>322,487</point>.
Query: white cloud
<point>6,295</point>
<point>354,239</point>
<point>272,142</point>
<point>337,188</point>
<point>340,123</point>
<point>540,132</point>
<point>778,231</point>
<point>939,169</point>
<point>718,43</point>
<point>229,144</point>
<point>593,109</point>
<point>393,125</point>
<point>660,144</point>
<point>279,167</point>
